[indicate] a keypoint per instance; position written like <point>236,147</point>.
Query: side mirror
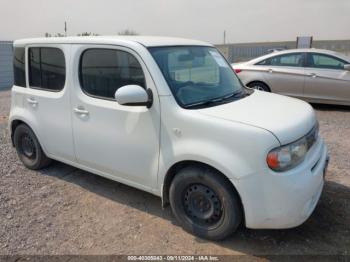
<point>134,95</point>
<point>347,67</point>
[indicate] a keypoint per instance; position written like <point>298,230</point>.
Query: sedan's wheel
<point>259,86</point>
<point>28,148</point>
<point>205,203</point>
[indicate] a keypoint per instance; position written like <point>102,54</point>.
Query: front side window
<point>291,60</point>
<point>103,71</point>
<point>196,74</point>
<point>324,61</point>
<point>19,66</point>
<point>47,68</point>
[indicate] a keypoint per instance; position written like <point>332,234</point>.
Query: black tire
<point>259,86</point>
<point>202,218</point>
<point>28,148</point>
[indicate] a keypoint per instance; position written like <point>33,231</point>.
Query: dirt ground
<point>63,210</point>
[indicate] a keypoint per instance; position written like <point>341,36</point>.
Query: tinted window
<point>34,67</point>
<point>47,68</point>
<point>103,71</point>
<point>19,67</point>
<point>325,61</point>
<point>293,60</point>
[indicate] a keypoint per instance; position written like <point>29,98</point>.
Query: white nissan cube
<point>170,117</point>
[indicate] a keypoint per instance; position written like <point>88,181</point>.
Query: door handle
<point>32,101</point>
<point>270,70</point>
<point>80,111</point>
<point>313,75</point>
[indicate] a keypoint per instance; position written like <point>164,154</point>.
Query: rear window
<point>47,69</point>
<point>19,66</point>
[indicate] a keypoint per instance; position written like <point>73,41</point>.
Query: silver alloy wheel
<point>257,87</point>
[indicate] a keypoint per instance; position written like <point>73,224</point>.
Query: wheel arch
<point>15,122</point>
<point>13,125</point>
<point>175,168</point>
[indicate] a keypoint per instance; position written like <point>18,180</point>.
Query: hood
<point>287,118</point>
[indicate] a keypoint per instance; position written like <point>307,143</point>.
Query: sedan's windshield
<point>196,75</point>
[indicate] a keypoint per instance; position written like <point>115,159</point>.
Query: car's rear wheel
<point>28,148</point>
<point>259,86</point>
<point>205,203</point>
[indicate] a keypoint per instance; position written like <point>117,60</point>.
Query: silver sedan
<point>315,75</point>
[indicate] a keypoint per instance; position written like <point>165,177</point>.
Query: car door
<point>285,74</point>
<point>116,141</point>
<point>326,78</point>
<point>47,100</point>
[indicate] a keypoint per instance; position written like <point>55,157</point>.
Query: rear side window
<point>19,67</point>
<point>292,60</point>
<point>47,69</point>
<point>103,71</point>
<point>324,61</point>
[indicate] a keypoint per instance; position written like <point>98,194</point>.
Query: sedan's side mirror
<point>347,67</point>
<point>134,95</point>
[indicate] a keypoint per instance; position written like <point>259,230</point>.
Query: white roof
<point>143,40</point>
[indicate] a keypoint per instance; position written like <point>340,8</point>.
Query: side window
<point>325,61</point>
<point>103,71</point>
<point>47,69</point>
<point>293,60</point>
<point>19,67</point>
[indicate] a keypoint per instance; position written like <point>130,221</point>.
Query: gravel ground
<point>63,210</point>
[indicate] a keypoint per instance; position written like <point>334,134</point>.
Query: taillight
<point>237,71</point>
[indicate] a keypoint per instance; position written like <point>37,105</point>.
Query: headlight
<point>286,157</point>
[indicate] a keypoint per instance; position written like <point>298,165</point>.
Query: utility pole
<point>65,28</point>
<point>224,36</point>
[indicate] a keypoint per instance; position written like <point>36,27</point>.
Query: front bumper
<point>284,200</point>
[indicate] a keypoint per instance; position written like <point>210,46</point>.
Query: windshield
<point>196,74</point>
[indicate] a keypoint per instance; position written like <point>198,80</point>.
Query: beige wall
<point>246,51</point>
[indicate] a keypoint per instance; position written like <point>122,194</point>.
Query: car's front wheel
<point>259,86</point>
<point>28,148</point>
<point>205,203</point>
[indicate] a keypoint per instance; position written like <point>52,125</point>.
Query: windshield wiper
<point>215,101</point>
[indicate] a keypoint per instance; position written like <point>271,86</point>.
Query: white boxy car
<point>170,117</point>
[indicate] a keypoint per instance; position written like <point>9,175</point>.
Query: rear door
<point>326,78</point>
<point>47,98</point>
<point>285,73</point>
